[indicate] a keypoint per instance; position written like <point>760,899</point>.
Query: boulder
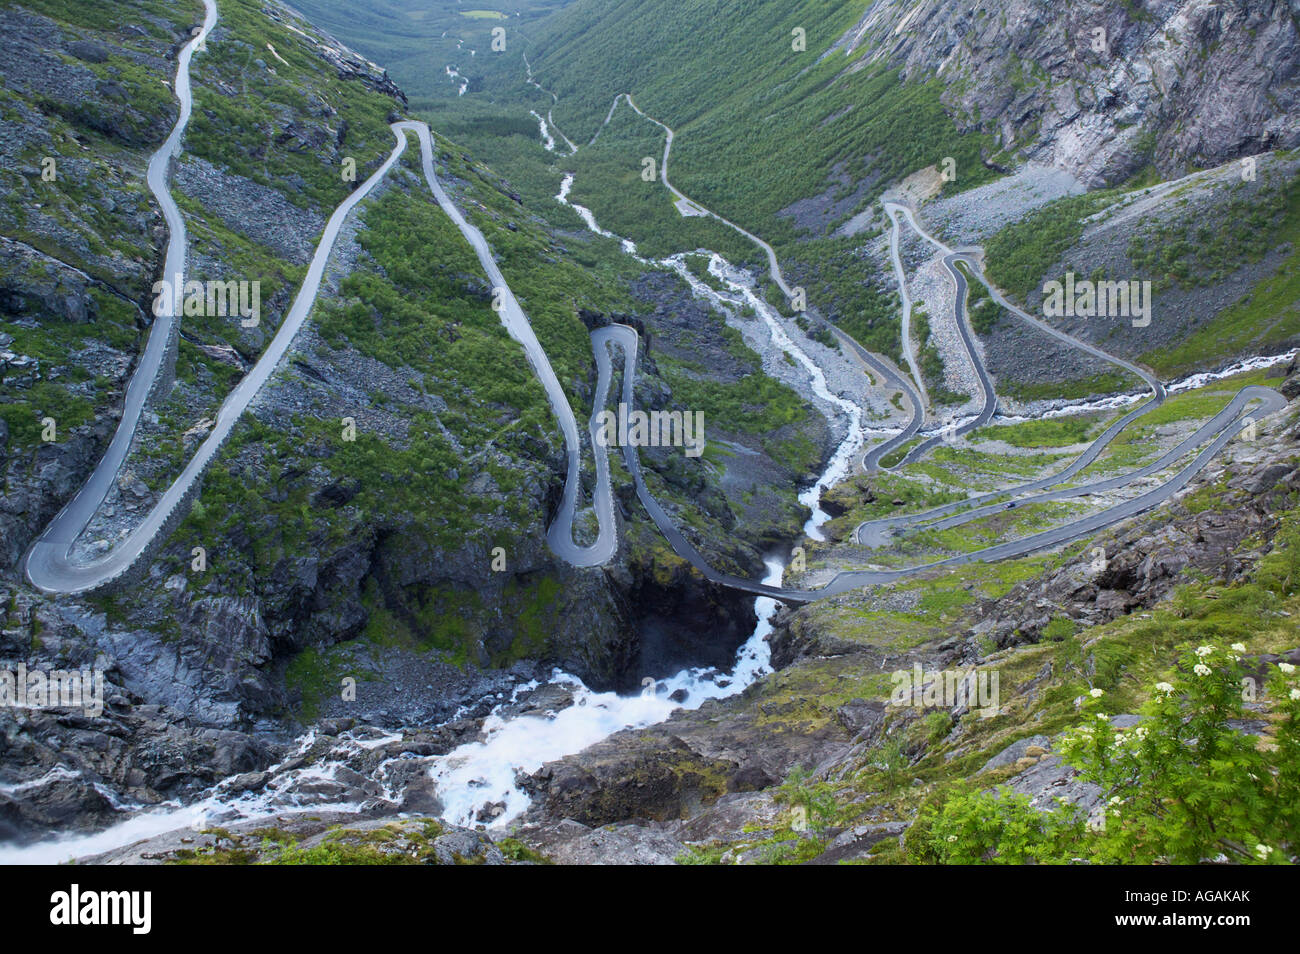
<point>1018,750</point>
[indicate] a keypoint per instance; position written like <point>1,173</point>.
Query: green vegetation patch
<point>1019,255</point>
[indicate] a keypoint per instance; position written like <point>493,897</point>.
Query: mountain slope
<point>325,552</point>
<point>364,564</point>
<point>1171,83</point>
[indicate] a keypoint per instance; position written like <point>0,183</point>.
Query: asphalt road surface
<point>49,566</point>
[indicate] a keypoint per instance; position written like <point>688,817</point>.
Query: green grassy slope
<point>759,123</point>
<point>416,39</point>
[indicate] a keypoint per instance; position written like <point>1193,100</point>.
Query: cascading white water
<point>458,77</point>
<point>566,186</point>
<point>469,777</point>
<point>1189,383</point>
<point>288,793</point>
<point>742,283</point>
<point>548,141</point>
<point>478,774</point>
<point>484,773</point>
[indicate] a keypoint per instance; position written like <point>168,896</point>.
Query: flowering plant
<point>1185,785</point>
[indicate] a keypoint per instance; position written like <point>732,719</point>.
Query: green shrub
<point>1182,787</point>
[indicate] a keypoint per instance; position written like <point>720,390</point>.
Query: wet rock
<point>421,797</point>
<point>335,727</point>
<point>248,782</point>
<point>58,803</point>
<point>1263,666</point>
<point>552,697</point>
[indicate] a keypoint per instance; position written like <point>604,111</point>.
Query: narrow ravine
<point>479,774</point>
<point>470,778</point>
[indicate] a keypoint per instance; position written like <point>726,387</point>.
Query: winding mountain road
<point>1222,426</point>
<point>49,564</point>
<point>1218,430</point>
<point>870,532</point>
<point>560,534</point>
<point>990,405</point>
<point>885,371</point>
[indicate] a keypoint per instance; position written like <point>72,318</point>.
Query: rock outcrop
<point>1104,87</point>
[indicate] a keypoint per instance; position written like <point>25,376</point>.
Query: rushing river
<point>483,773</point>
<point>1065,408</point>
<point>469,778</point>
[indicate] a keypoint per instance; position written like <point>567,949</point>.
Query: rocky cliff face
<point>1104,87</point>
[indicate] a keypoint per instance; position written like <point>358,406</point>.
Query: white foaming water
<point>742,282</point>
<point>566,186</point>
<point>478,774</point>
<point>1189,383</point>
<point>1241,367</point>
<point>464,83</point>
<point>291,792</point>
<point>136,828</point>
<point>548,141</point>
